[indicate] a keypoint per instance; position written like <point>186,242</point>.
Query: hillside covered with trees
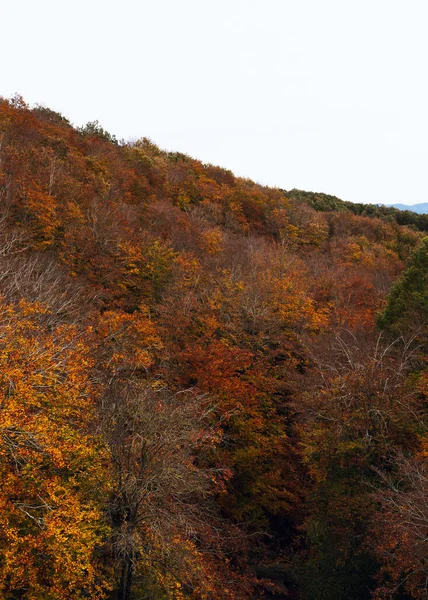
<point>209,389</point>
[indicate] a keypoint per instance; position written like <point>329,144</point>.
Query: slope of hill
<point>401,214</point>
<point>196,401</point>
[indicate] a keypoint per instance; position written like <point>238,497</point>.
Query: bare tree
<point>404,526</point>
<point>160,489</point>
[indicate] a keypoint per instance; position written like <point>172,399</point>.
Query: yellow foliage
<point>212,241</point>
<point>42,209</point>
<point>50,462</point>
<point>129,341</point>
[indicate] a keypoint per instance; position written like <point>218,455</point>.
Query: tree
<point>407,307</point>
<point>52,465</point>
<point>360,409</point>
<point>93,129</point>
<point>402,527</point>
<point>162,517</point>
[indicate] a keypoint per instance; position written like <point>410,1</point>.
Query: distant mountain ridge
<point>421,208</point>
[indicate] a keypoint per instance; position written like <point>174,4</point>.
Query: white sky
<point>321,95</point>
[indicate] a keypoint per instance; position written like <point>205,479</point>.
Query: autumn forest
<point>209,389</point>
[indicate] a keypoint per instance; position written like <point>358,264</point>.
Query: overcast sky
<point>321,95</point>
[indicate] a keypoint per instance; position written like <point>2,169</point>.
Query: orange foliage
<point>186,277</point>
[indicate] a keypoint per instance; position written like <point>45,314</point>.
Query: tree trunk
<point>124,592</point>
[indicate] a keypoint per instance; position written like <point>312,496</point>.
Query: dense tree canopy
<point>407,306</point>
<point>196,401</point>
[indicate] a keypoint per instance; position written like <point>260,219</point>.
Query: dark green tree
<point>407,308</point>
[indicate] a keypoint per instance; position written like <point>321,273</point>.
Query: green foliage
<point>93,129</point>
<point>319,201</point>
<point>407,306</point>
<point>326,203</point>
